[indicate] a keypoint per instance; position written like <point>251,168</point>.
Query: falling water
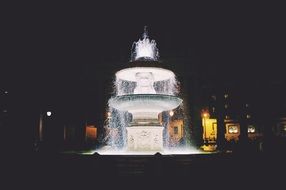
<point>144,48</point>
<point>168,87</point>
<point>118,121</point>
<point>115,129</point>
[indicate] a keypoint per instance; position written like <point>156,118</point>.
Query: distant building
<point>232,130</point>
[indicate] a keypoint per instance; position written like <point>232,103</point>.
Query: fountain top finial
<point>144,49</point>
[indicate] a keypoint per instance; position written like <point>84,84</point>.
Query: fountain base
<point>145,138</point>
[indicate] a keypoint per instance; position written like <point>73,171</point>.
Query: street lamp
<point>49,113</point>
<point>171,113</point>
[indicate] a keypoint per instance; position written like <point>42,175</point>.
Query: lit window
<point>226,96</point>
<point>225,106</point>
<point>251,129</point>
<point>233,129</point>
<point>176,130</point>
<point>248,116</point>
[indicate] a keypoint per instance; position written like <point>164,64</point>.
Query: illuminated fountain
<point>142,93</point>
<point>144,132</point>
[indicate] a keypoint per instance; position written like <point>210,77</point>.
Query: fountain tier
<point>159,74</point>
<point>145,107</point>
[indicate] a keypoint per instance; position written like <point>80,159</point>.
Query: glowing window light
<point>251,129</point>
<point>233,129</point>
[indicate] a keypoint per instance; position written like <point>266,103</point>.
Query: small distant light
<point>171,113</point>
<point>225,106</point>
<point>248,116</point>
<point>226,96</point>
<point>108,115</point>
<point>247,105</point>
<point>5,111</point>
<point>214,97</point>
<point>6,92</point>
<point>251,129</point>
<point>213,109</point>
<point>49,113</point>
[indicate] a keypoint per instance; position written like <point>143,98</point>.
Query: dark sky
<point>55,54</point>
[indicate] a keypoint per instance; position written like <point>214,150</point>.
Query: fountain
<point>142,93</point>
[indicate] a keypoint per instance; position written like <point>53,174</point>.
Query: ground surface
<point>225,170</point>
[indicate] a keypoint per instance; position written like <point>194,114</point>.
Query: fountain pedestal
<point>145,132</point>
<point>145,138</point>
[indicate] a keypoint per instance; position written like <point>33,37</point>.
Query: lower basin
<point>145,105</point>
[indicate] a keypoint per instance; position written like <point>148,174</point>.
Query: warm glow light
<point>233,129</point>
<point>251,129</point>
<point>90,132</point>
<point>171,113</point>
<point>49,113</point>
<point>108,115</point>
<point>205,113</point>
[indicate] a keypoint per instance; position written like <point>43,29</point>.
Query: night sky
<point>63,57</point>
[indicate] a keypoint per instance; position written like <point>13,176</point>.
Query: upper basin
<point>159,74</point>
<point>139,103</point>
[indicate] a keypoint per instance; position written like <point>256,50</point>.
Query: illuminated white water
<point>179,151</point>
<point>141,94</point>
<point>163,81</point>
<point>145,48</point>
